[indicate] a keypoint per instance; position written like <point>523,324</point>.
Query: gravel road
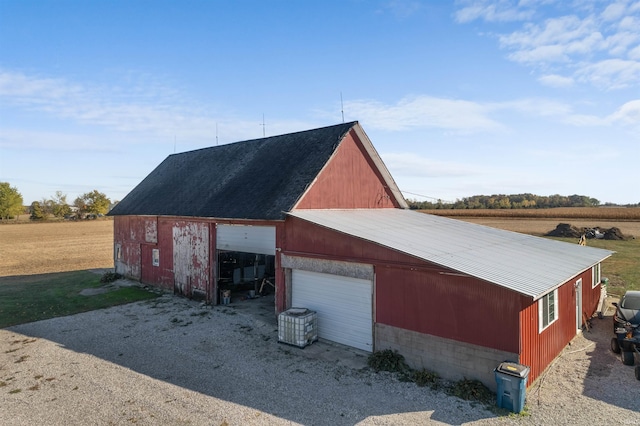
<point>174,361</point>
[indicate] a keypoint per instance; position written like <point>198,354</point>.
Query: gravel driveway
<point>175,361</point>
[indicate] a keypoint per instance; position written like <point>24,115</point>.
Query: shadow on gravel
<point>623,390</point>
<point>232,353</point>
<point>589,365</point>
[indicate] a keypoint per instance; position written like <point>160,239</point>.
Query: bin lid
<point>514,369</point>
<point>296,311</point>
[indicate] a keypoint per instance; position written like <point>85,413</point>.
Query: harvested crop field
<point>38,248</point>
<point>535,226</point>
<point>541,221</point>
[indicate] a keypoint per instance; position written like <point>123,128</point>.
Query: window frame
<point>544,301</point>
<point>596,275</point>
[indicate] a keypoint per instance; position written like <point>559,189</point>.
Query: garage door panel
<point>343,305</point>
<point>245,238</point>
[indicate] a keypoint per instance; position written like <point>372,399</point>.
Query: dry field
<point>38,248</point>
<point>541,221</point>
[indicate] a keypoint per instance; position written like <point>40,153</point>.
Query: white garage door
<point>343,305</point>
<point>248,239</point>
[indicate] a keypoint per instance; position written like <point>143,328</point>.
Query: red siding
<point>349,180</point>
<point>540,348</point>
<point>590,295</point>
<point>138,236</point>
<point>450,306</point>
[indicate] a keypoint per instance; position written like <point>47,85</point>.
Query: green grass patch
<point>37,297</point>
<point>623,268</point>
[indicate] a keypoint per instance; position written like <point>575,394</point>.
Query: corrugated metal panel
<point>429,302</point>
<point>523,263</point>
<point>343,305</point>
<point>539,348</point>
<point>245,238</point>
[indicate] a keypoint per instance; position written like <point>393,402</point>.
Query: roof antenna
<point>263,126</point>
<point>341,107</point>
<point>216,134</point>
<point>174,144</point>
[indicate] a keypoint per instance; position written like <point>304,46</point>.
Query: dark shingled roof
<point>255,179</point>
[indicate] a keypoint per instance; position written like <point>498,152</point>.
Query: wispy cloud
<point>595,43</point>
<point>146,108</point>
<point>402,8</point>
<point>611,74</point>
<point>554,80</point>
<point>424,112</point>
<point>410,164</point>
<point>492,11</point>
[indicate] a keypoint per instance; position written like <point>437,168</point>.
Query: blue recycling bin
<point>511,379</point>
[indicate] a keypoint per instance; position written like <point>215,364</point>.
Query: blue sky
<point>459,98</point>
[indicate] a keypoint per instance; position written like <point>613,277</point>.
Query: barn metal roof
<point>529,265</point>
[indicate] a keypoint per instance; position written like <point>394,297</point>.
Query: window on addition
<point>548,309</point>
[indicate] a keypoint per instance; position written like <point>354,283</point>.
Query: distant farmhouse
<point>318,214</point>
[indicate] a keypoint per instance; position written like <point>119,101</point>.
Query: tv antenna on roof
<point>263,127</point>
<point>216,134</point>
<point>341,107</point>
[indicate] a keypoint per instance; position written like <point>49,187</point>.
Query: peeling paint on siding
<point>190,257</point>
<point>151,231</point>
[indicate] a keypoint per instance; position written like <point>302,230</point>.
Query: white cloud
<point>629,113</point>
<point>584,45</point>
<point>424,112</point>
<point>614,11</point>
<point>410,164</point>
<point>610,73</point>
<point>150,109</point>
<point>28,140</point>
<point>634,53</point>
<point>492,11</point>
<point>554,80</point>
<point>556,40</point>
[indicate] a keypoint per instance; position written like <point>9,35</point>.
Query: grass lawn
<point>37,297</point>
<point>623,268</point>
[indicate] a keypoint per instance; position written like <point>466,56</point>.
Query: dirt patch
<point>567,230</point>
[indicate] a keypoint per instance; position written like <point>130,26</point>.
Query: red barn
<point>318,213</point>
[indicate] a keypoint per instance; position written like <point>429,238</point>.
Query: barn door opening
<point>246,260</point>
<point>243,273</point>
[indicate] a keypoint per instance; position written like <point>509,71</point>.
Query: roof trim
<point>382,168</point>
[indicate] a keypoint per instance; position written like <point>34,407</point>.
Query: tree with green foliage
<point>514,201</point>
<point>94,202</point>
<point>37,211</point>
<point>59,206</point>
<point>10,201</point>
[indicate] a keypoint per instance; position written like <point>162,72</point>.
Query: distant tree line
<point>90,204</point>
<point>514,201</point>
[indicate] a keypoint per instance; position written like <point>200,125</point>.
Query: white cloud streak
<point>424,112</point>
<point>148,109</point>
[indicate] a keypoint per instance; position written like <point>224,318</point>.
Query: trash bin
<point>511,379</point>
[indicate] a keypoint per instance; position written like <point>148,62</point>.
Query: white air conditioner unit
<point>298,327</point>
